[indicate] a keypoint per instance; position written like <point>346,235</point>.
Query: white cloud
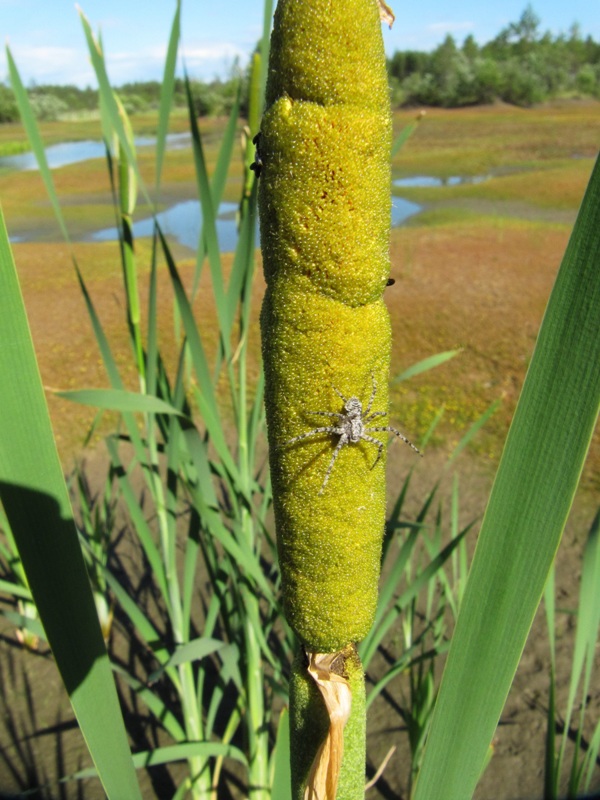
<point>206,60</point>
<point>147,63</point>
<point>211,52</point>
<point>52,64</point>
<point>64,65</point>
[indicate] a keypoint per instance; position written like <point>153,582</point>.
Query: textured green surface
<point>325,204</point>
<point>329,52</point>
<point>325,217</point>
<point>352,775</point>
<point>329,544</point>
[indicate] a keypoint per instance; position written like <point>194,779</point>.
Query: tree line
<point>51,102</point>
<point>521,65</point>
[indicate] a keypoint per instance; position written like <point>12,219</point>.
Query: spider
<point>351,428</point>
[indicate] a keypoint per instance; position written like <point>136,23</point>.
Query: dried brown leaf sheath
<point>335,690</point>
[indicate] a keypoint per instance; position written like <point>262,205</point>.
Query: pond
<point>182,221</point>
<point>65,153</point>
<point>431,181</point>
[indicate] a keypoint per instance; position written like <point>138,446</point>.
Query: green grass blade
<point>138,520</point>
<point>167,718</point>
<point>405,135</point>
<point>219,177</point>
<point>530,500</point>
<point>120,400</point>
<point>241,270</point>
<point>591,759</point>
<point>179,752</point>
<point>36,502</point>
<point>282,776</point>
<point>445,584</point>
<point>195,650</point>
<point>551,762</point>
<point>15,590</point>
<point>33,134</point>
<point>167,91</point>
<point>32,626</point>
<point>588,621</point>
<point>256,421</point>
<point>265,43</point>
<point>426,364</point>
<point>420,581</point>
<point>101,340</point>
<point>111,116</point>
<point>152,347</point>
<point>473,431</point>
<point>209,227</point>
<point>410,658</point>
<point>253,127</point>
<point>205,394</point>
<point>175,752</point>
<point>204,499</point>
<point>190,562</point>
<point>369,645</point>
<point>144,627</point>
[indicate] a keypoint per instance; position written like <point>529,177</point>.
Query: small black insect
<point>257,164</point>
<point>391,282</point>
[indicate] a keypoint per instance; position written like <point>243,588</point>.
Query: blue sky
<point>47,41</point>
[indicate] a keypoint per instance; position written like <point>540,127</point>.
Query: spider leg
<point>343,440</point>
<point>373,393</point>
<point>328,414</point>
<point>339,394</point>
<point>375,414</point>
<point>374,441</point>
<point>389,429</point>
<point>315,432</point>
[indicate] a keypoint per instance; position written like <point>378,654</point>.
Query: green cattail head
<point>324,199</point>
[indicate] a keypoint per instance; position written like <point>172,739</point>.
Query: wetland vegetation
<point>472,270</point>
<point>475,240</point>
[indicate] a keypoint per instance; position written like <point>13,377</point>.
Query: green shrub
<point>47,107</point>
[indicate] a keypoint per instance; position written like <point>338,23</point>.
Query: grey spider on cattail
<point>351,427</point>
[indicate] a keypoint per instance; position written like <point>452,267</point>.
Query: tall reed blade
<point>532,494</point>
<point>36,501</point>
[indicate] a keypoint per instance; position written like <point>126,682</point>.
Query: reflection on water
<point>403,209</point>
<point>430,181</point>
<point>65,153</point>
<point>183,222</point>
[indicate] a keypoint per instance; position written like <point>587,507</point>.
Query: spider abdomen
<point>356,429</point>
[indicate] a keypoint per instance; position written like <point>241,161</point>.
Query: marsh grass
<point>474,141</point>
<point>573,724</point>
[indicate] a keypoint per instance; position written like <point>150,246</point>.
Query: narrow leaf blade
<point>525,517</point>
<point>36,502</point>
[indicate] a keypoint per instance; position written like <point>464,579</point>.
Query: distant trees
<point>212,98</point>
<point>8,107</point>
<point>520,65</point>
